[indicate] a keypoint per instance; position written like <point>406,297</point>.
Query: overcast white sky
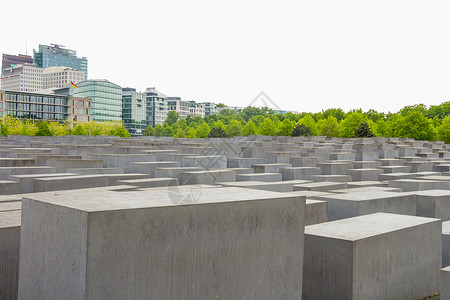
<point>305,55</point>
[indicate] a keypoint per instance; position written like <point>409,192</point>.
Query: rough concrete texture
<point>378,256</point>
<point>9,253</point>
<point>228,245</point>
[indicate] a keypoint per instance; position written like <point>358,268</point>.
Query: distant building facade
<point>211,108</point>
<point>22,78</point>
<point>106,98</point>
<point>156,107</point>
<point>34,106</point>
<point>59,77</point>
<point>196,109</point>
<point>180,106</point>
<point>56,55</point>
<point>9,60</point>
<point>134,111</point>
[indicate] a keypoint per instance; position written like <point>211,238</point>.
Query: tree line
<point>14,126</point>
<point>415,121</point>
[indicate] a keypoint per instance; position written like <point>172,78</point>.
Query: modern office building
<point>22,78</point>
<point>34,106</point>
<point>156,107</point>
<point>57,55</point>
<point>9,60</point>
<point>134,111</point>
<point>180,106</point>
<point>59,77</point>
<point>106,98</point>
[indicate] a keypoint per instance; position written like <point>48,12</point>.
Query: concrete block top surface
<point>365,196</point>
<point>97,200</point>
<point>10,218</point>
<point>362,227</point>
<point>446,227</point>
<point>432,193</point>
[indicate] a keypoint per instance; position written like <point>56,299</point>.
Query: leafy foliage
<point>364,131</point>
<point>300,130</point>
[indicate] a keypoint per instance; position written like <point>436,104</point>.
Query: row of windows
<point>36,99</point>
<point>35,107</point>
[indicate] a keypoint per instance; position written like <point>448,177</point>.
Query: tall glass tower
<point>55,55</point>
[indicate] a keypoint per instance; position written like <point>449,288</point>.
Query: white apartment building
<point>156,107</point>
<point>59,77</point>
<point>22,78</point>
<point>180,106</point>
<point>196,109</point>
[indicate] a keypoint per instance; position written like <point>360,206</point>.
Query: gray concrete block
<point>162,250</point>
<point>269,168</point>
<point>320,186</point>
<point>419,166</point>
<point>205,162</point>
<point>9,253</point>
<point>364,174</point>
<point>149,182</point>
<point>347,205</point>
<point>266,177</point>
<point>445,244</point>
<point>277,186</point>
<point>316,212</point>
<point>6,171</point>
<point>93,171</point>
<point>16,162</point>
<point>302,173</point>
<point>378,256</point>
<point>335,168</point>
<point>445,283</point>
<point>25,182</point>
<point>174,172</point>
<point>395,169</point>
<point>433,204</point>
<point>150,166</point>
<point>242,162</point>
<point>408,185</point>
<point>208,176</point>
<point>333,178</point>
<point>8,187</point>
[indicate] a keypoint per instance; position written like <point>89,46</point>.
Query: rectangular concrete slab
<point>378,256</point>
<point>9,253</point>
<point>227,245</point>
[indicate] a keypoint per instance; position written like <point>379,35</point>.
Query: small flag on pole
<point>3,77</point>
<point>73,84</point>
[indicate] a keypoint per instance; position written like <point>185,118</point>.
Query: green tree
<point>328,127</point>
<point>267,127</point>
<point>416,126</point>
<point>120,131</point>
<point>285,127</point>
<point>79,130</point>
<point>202,131</point>
<point>364,131</point>
<point>444,130</point>
<point>172,117</point>
<point>4,130</point>
<point>309,122</point>
<point>217,132</point>
<point>44,129</point>
<point>180,133</point>
<point>300,130</point>
<point>234,128</point>
<point>382,128</point>
<point>351,122</point>
<point>338,113</point>
<point>249,129</point>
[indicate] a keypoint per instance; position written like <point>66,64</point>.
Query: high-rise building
<point>106,98</point>
<point>178,105</point>
<point>22,78</point>
<point>34,106</point>
<point>156,107</point>
<point>211,108</point>
<point>134,114</point>
<point>57,55</point>
<point>59,77</point>
<point>9,60</point>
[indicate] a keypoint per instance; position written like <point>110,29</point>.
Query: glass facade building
<point>134,111</point>
<point>56,55</point>
<point>35,106</point>
<point>106,98</point>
